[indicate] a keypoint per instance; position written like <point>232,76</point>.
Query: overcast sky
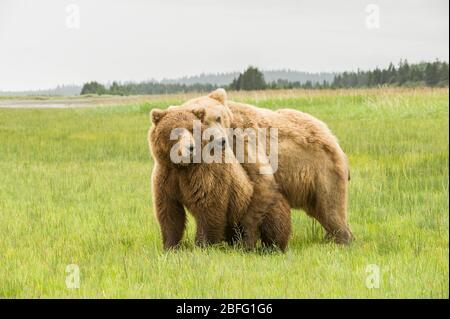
<point>48,42</point>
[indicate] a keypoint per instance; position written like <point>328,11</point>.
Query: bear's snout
<point>191,148</point>
<point>187,150</point>
<point>221,142</point>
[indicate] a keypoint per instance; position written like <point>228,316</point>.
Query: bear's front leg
<point>253,217</point>
<point>233,234</point>
<point>251,233</point>
<point>171,217</point>
<point>276,226</point>
<point>172,221</point>
<point>209,231</point>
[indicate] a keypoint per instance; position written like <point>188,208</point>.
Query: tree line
<point>434,74</point>
<point>141,88</point>
<point>430,74</point>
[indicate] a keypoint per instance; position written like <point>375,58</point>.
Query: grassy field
<point>75,189</point>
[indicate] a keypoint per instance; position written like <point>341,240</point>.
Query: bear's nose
<point>191,148</point>
<point>222,142</point>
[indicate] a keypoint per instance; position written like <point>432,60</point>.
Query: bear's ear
<point>156,115</point>
<point>199,113</point>
<point>218,95</point>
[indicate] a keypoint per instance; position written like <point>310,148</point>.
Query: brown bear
<point>312,170</point>
<point>220,195</point>
<point>268,215</point>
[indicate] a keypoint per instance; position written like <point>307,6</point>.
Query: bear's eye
<point>218,119</point>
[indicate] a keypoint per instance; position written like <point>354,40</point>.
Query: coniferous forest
<point>425,74</point>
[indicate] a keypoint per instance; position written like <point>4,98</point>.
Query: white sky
<point>139,40</point>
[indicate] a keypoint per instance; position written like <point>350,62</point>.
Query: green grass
<point>75,189</point>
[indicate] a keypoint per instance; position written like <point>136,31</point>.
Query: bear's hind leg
<point>329,208</point>
<point>336,227</point>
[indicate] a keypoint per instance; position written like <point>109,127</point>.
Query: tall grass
<point>75,189</point>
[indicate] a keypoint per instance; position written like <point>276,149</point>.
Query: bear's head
<point>213,108</point>
<point>171,132</point>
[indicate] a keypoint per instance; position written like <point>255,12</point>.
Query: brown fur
<point>220,196</point>
<point>313,171</point>
<point>268,216</point>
